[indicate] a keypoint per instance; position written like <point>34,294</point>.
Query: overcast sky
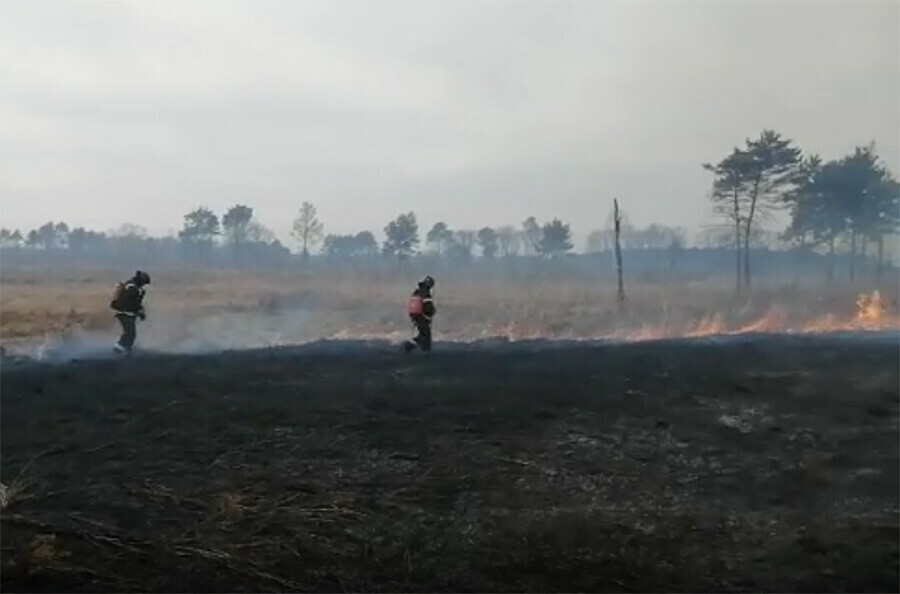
<point>475,113</point>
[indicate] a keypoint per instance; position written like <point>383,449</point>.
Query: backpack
<point>415,306</point>
<point>117,295</point>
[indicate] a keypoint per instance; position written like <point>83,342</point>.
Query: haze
<point>473,113</point>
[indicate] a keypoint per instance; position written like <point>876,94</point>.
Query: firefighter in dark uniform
<point>421,311</point>
<point>128,305</point>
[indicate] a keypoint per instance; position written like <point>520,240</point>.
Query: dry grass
<point>34,304</point>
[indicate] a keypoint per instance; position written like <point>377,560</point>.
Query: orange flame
<point>871,315</point>
<point>871,307</point>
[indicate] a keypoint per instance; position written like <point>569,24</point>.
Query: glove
<point>142,315</point>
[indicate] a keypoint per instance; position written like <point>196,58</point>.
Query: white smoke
<point>181,333</point>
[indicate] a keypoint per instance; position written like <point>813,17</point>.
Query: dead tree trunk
<point>737,253</point>
<point>749,225</point>
<point>617,219</point>
<point>879,265</point>
<point>736,215</point>
<point>831,258</point>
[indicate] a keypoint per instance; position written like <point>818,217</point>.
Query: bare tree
<point>307,228</point>
<point>509,241</point>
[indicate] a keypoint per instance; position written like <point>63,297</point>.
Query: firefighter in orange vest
<point>421,311</point>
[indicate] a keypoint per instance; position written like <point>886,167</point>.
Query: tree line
<point>237,231</point>
<point>848,205</point>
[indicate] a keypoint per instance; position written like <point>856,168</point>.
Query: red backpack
<point>415,306</point>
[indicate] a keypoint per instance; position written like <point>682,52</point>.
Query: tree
<point>61,233</point>
<point>464,243</point>
<point>361,245</point>
<point>598,240</point>
<point>365,244</point>
<point>10,239</point>
<point>854,197</point>
<point>236,223</point>
<point>402,236</point>
<point>749,184</point>
<point>869,201</point>
<point>655,237</point>
<point>729,183</point>
<point>337,246</point>
<point>307,228</point>
<point>816,215</point>
<point>48,236</point>
<point>201,226</point>
<point>863,194</point>
<point>555,239</point>
<point>629,238</point>
<point>770,172</point>
<point>531,235</point>
<point>77,239</point>
<point>256,232</point>
<point>803,202</point>
<point>883,214</point>
<point>82,240</point>
<point>487,239</point>
<point>439,236</point>
<point>509,241</point>
<point>132,240</point>
<point>130,230</point>
<point>676,237</point>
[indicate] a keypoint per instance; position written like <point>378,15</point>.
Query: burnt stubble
<point>762,463</point>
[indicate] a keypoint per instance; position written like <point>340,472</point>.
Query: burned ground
<point>756,463</point>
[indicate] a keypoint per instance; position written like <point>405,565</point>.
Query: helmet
<point>141,277</point>
<point>428,282</point>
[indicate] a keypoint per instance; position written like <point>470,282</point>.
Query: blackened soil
<point>754,465</point>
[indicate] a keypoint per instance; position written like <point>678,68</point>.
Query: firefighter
<point>128,305</point>
<point>421,311</point>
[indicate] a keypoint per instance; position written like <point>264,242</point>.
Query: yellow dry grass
<point>34,304</point>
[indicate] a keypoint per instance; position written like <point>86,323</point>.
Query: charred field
<point>754,463</point>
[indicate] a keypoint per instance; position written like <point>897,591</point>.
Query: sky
<point>473,113</point>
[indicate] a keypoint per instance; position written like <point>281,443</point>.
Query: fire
<point>872,315</point>
<point>871,308</point>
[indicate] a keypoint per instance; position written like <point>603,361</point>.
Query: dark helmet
<point>428,282</point>
<point>141,278</point>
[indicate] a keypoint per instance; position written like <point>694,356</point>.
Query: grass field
<point>756,462</point>
<point>265,308</point>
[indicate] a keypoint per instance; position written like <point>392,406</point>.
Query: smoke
<point>196,334</point>
<point>181,333</point>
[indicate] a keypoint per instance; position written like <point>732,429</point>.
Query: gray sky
<point>474,113</point>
